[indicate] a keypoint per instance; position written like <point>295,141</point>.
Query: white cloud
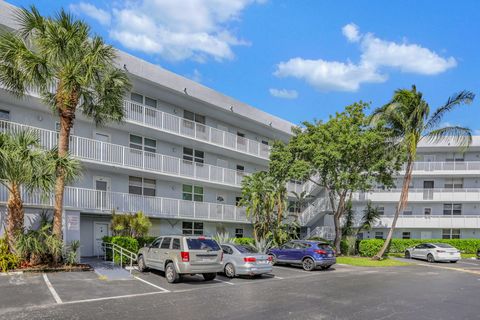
<point>351,32</point>
<point>178,30</point>
<point>100,15</point>
<point>195,75</point>
<point>377,54</point>
<point>283,93</point>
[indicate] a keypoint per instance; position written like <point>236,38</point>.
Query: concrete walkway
<point>107,269</point>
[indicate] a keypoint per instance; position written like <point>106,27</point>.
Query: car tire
<point>308,264</point>
<point>274,259</point>
<point>209,276</point>
<point>141,264</point>
<point>171,274</point>
<point>229,270</point>
<point>326,267</point>
<point>407,255</point>
<point>430,258</point>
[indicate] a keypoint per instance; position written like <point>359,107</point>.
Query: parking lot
<point>420,291</point>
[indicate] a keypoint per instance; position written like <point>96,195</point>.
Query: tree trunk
<point>401,205</point>
<point>338,226</point>
<point>15,216</point>
<point>66,123</point>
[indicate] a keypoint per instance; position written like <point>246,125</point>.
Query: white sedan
<point>434,252</point>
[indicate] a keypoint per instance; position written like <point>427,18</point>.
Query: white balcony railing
<point>139,113</point>
<point>319,206</point>
<point>420,195</point>
<point>325,232</point>
<point>104,201</point>
<point>431,221</point>
<point>107,153</point>
<point>420,166</point>
<point>158,120</point>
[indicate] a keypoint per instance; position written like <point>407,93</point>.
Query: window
<point>452,209</point>
<point>193,117</point>
<point>379,235</point>
<point>4,115</point>
<point>192,228</point>
<point>193,155</point>
<point>237,200</point>
<point>241,138</point>
<point>240,168</point>
<point>408,211</point>
<point>450,233</point>
<point>176,244</point>
<point>156,243</point>
<point>166,243</point>
<point>265,142</point>
<point>227,250</point>
<point>427,211</point>
<point>405,235</point>
<point>142,143</point>
<point>190,193</point>
<point>455,157</point>
<point>381,210</point>
<point>141,186</point>
<point>238,233</point>
<point>454,183</point>
<point>143,100</point>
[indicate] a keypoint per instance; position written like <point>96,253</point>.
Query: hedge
<point>245,241</point>
<point>370,247</point>
<point>128,243</point>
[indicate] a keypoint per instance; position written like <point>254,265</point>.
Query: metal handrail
<point>121,251</point>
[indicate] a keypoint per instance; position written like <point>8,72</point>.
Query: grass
<point>468,255</point>
<point>368,262</point>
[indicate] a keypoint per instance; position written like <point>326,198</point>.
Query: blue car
<point>309,254</point>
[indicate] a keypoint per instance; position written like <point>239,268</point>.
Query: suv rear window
<point>323,246</point>
<point>202,244</point>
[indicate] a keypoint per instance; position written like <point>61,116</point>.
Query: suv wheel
<point>407,255</point>
<point>171,274</point>
<point>209,276</point>
<point>141,264</point>
<point>308,264</point>
<point>229,270</point>
<point>430,258</point>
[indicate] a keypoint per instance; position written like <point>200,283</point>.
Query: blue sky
<point>301,60</point>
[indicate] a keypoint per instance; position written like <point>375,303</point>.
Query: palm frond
<point>460,98</point>
<point>459,135</point>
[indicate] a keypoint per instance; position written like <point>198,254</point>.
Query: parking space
<point>463,265</point>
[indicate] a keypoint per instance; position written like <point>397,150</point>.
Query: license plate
<point>330,255</point>
<point>451,253</point>
<point>262,261</point>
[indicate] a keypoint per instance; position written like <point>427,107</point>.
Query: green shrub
<point>142,241</point>
<point>129,243</point>
<point>245,241</point>
<point>8,261</point>
<point>370,247</point>
<point>349,245</point>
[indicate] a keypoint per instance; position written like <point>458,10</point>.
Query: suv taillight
<point>320,251</point>
<point>185,256</point>
<point>250,259</point>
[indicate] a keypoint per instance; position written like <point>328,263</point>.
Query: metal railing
<point>446,166</point>
<point>117,155</point>
<point>90,200</point>
<point>320,206</point>
<point>420,194</point>
<point>431,221</point>
<point>325,232</point>
<point>124,254</point>
<point>150,117</point>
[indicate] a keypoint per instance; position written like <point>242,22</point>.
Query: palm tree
<point>57,57</point>
<point>23,165</point>
<point>407,117</point>
<point>370,216</point>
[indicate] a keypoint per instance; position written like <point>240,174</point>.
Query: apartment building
<point>179,156</point>
<point>443,202</point>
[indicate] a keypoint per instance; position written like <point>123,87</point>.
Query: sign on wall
<point>73,222</point>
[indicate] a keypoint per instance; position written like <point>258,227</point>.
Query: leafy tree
<point>407,118</point>
<point>345,152</point>
<point>130,224</point>
<point>71,70</point>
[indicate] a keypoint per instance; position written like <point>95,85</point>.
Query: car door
<point>227,253</point>
<point>164,251</point>
<point>294,252</point>
<point>419,251</point>
<point>153,252</point>
<point>285,251</point>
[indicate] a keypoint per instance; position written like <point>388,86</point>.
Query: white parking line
<point>52,289</point>
<point>116,297</point>
<point>470,264</point>
<point>153,285</point>
<point>227,282</point>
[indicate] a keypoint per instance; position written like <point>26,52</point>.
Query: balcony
<point>432,221</point>
<point>88,200</point>
<point>319,206</point>
<point>421,195</point>
<point>94,151</point>
<point>445,168</point>
<point>152,118</point>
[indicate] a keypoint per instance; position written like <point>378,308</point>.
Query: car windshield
<point>246,249</point>
<point>443,245</point>
<point>202,244</point>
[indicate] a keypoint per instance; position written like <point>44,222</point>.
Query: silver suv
<point>179,255</point>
